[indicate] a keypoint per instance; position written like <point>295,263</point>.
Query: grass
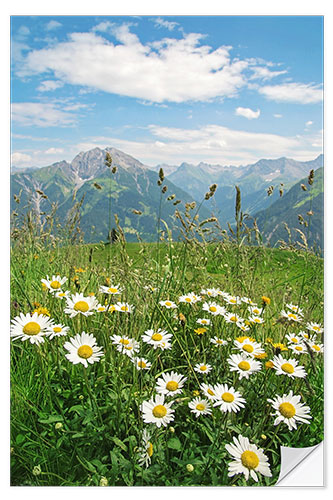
<point>72,425</point>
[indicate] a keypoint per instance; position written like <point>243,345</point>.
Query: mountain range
<point>134,187</point>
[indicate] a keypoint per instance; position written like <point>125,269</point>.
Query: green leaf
<point>119,443</point>
<point>174,444</point>
<point>52,419</point>
<point>20,439</point>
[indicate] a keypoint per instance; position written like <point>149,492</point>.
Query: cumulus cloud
<point>54,151</point>
<point>40,114</point>
<point>48,85</point>
<point>20,159</point>
<point>247,113</point>
<point>162,23</point>
<point>263,73</point>
<point>176,70</point>
<point>52,25</point>
<point>301,93</point>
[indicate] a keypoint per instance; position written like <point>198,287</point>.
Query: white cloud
<point>301,93</point>
<point>162,23</point>
<point>20,159</point>
<point>309,123</point>
<point>104,26</point>
<point>23,31</point>
<point>54,151</point>
<point>263,73</point>
<point>52,25</point>
<point>175,70</point>
<point>48,85</point>
<point>247,113</point>
<point>277,115</point>
<point>40,114</point>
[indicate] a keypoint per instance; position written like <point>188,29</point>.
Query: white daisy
<point>120,340</point>
<point>248,301</point>
<point>190,298</point>
<point>218,342</point>
<point>62,295</point>
<point>298,348</point>
<point>249,346</point>
<point>79,304</point>
<point>233,318</point>
<point>208,391</point>
<point>170,383</point>
<point>317,348</point>
<point>227,398</point>
<point>295,309</point>
<point>141,363</point>
<point>233,300</point>
<point>203,321</point>
<point>55,283</point>
<point>293,338</point>
<point>249,459</point>
<point>254,310</point>
<point>57,330</point>
<point>101,308</point>
<point>213,308</point>
<point>83,349</point>
<point>211,292</point>
<point>315,327</point>
<point>157,339</point>
<point>289,410</point>
<point>291,316</point>
<point>157,412</point>
<point>168,304</point>
<point>146,450</point>
<point>111,290</point>
<point>200,406</point>
<point>288,367</point>
<point>30,327</point>
<point>243,326</point>
<point>257,320</point>
<point>243,365</point>
<point>129,348</point>
<point>202,368</point>
<point>124,307</point>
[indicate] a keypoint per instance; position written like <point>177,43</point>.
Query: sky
<point>225,90</point>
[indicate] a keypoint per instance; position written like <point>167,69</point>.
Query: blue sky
<point>219,89</point>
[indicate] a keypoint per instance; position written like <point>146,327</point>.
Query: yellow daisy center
<point>287,410</point>
<point>150,449</point>
<point>248,348</point>
<point>124,341</point>
<point>316,347</point>
<point>292,316</point>
<point>227,397</point>
<point>233,301</point>
<point>128,347</point>
<point>287,368</point>
<point>124,308</point>
<point>142,364</point>
<point>210,392</point>
<point>61,294</point>
<point>203,368</point>
<point>159,411</point>
<point>200,407</point>
<point>204,322</point>
<point>298,348</point>
<point>188,299</point>
<point>55,284</point>
<point>233,318</point>
<point>31,328</point>
<point>316,328</point>
<point>257,320</point>
<point>294,339</point>
<point>81,306</point>
<point>85,351</point>
<point>113,290</point>
<point>213,309</point>
<point>157,336</point>
<point>57,329</point>
<point>172,385</point>
<point>219,341</point>
<point>168,303</point>
<point>250,459</point>
<point>244,366</point>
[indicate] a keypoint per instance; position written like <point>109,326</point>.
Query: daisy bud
<point>189,468</point>
<point>81,397</point>
<point>172,430</point>
<point>103,481</point>
<point>263,436</point>
<point>36,471</point>
<point>58,426</point>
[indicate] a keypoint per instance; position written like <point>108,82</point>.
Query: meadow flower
<point>120,340</point>
<point>155,411</point>
<point>200,406</point>
<point>170,383</point>
<point>288,367</point>
<point>233,318</point>
<point>291,316</point>
<point>243,326</point>
<point>317,348</point>
<point>278,346</point>
<point>79,304</point>
<point>243,365</point>
<point>213,308</point>
<point>200,331</point>
<point>150,288</point>
<point>257,320</point>
<point>298,348</point>
<point>168,304</point>
<point>129,348</point>
<point>248,301</point>
<point>295,309</point>
<point>30,327</point>
<point>111,290</point>
<point>208,391</point>
<point>248,346</point>
<point>218,342</point>
<point>57,330</point>
<point>289,410</point>
<point>233,300</point>
<point>265,300</point>
<point>190,298</point>
<point>157,339</point>
<point>124,307</point>
<point>83,349</point>
<point>254,310</point>
<point>314,327</point>
<point>101,308</point>
<point>249,459</point>
<point>55,283</point>
<point>227,398</point>
<point>146,449</point>
<point>203,321</point>
<point>141,363</point>
<point>202,368</point>
<point>62,295</point>
<point>211,292</point>
<point>293,338</point>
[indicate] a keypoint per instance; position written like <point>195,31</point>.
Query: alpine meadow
<point>166,312</point>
